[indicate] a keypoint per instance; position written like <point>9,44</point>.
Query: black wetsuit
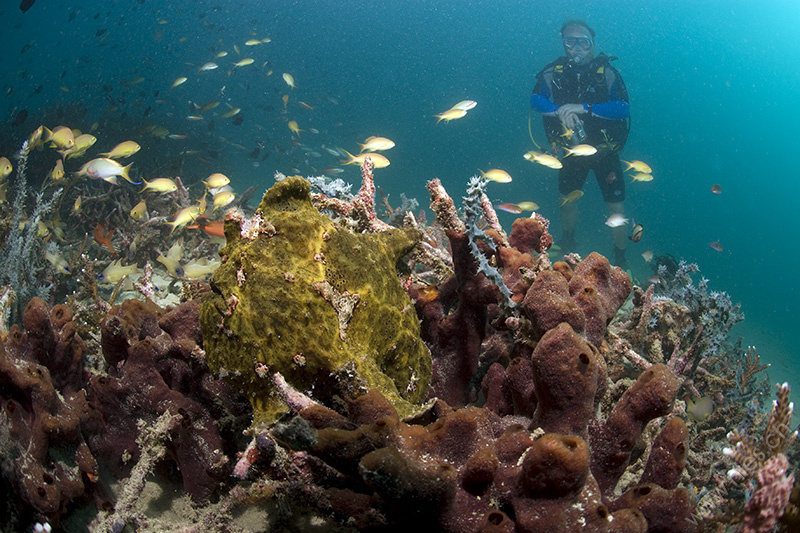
<point>600,88</point>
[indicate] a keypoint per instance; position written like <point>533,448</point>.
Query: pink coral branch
<point>491,218</point>
<point>361,207</point>
<point>296,400</point>
<point>443,207</point>
<point>621,346</point>
<point>768,502</point>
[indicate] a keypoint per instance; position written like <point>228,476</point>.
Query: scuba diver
<point>583,100</point>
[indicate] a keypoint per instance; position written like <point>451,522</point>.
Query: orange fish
<point>716,189</point>
<point>215,228</point>
<point>103,236</point>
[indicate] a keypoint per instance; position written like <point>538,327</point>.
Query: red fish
<point>103,236</point>
<point>215,228</point>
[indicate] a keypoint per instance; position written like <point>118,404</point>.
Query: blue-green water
<point>714,89</point>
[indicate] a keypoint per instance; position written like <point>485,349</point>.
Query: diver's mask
<point>581,43</point>
<point>579,46</point>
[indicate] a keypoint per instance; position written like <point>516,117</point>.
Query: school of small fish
<point>229,63</point>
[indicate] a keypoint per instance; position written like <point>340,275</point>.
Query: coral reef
<point>143,343</point>
<point>536,456</point>
<point>42,409</point>
<point>67,425</point>
<point>325,381</point>
<point>318,303</point>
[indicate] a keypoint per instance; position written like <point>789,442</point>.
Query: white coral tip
<point>727,451</point>
<point>735,474</point>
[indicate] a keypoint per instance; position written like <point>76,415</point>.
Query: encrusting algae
<point>319,304</point>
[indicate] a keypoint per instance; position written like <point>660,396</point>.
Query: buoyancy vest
<point>571,84</point>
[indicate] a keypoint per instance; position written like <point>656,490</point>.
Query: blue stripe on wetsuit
<point>614,109</point>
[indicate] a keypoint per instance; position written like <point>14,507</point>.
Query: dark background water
<point>714,90</point>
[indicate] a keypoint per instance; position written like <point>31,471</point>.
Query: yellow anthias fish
<point>5,168</point>
<point>107,169</point>
<point>543,159</point>
<point>216,180</point>
<point>528,206</point>
<point>202,203</point>
<point>160,185</point>
<point>451,114</point>
<point>122,150</point>
<point>285,99</point>
<point>184,216</point>
<point>376,143</point>
<point>83,142</point>
<point>139,211</point>
<point>208,66</point>
<point>638,166</point>
<point>568,133</point>
<point>571,197</point>
<point>252,42</point>
<point>178,81</point>
<point>642,176</point>
<point>289,79</point>
<point>466,105</point>
<point>57,174</point>
<point>115,272</point>
<point>222,198</point>
<point>378,160</point>
<point>220,54</point>
<point>76,207</point>
<point>294,127</point>
<point>61,137</point>
<point>36,137</point>
<point>208,106</point>
<point>199,268</point>
<point>496,175</point>
<point>582,150</point>
<point>244,62</point>
<point>231,112</point>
